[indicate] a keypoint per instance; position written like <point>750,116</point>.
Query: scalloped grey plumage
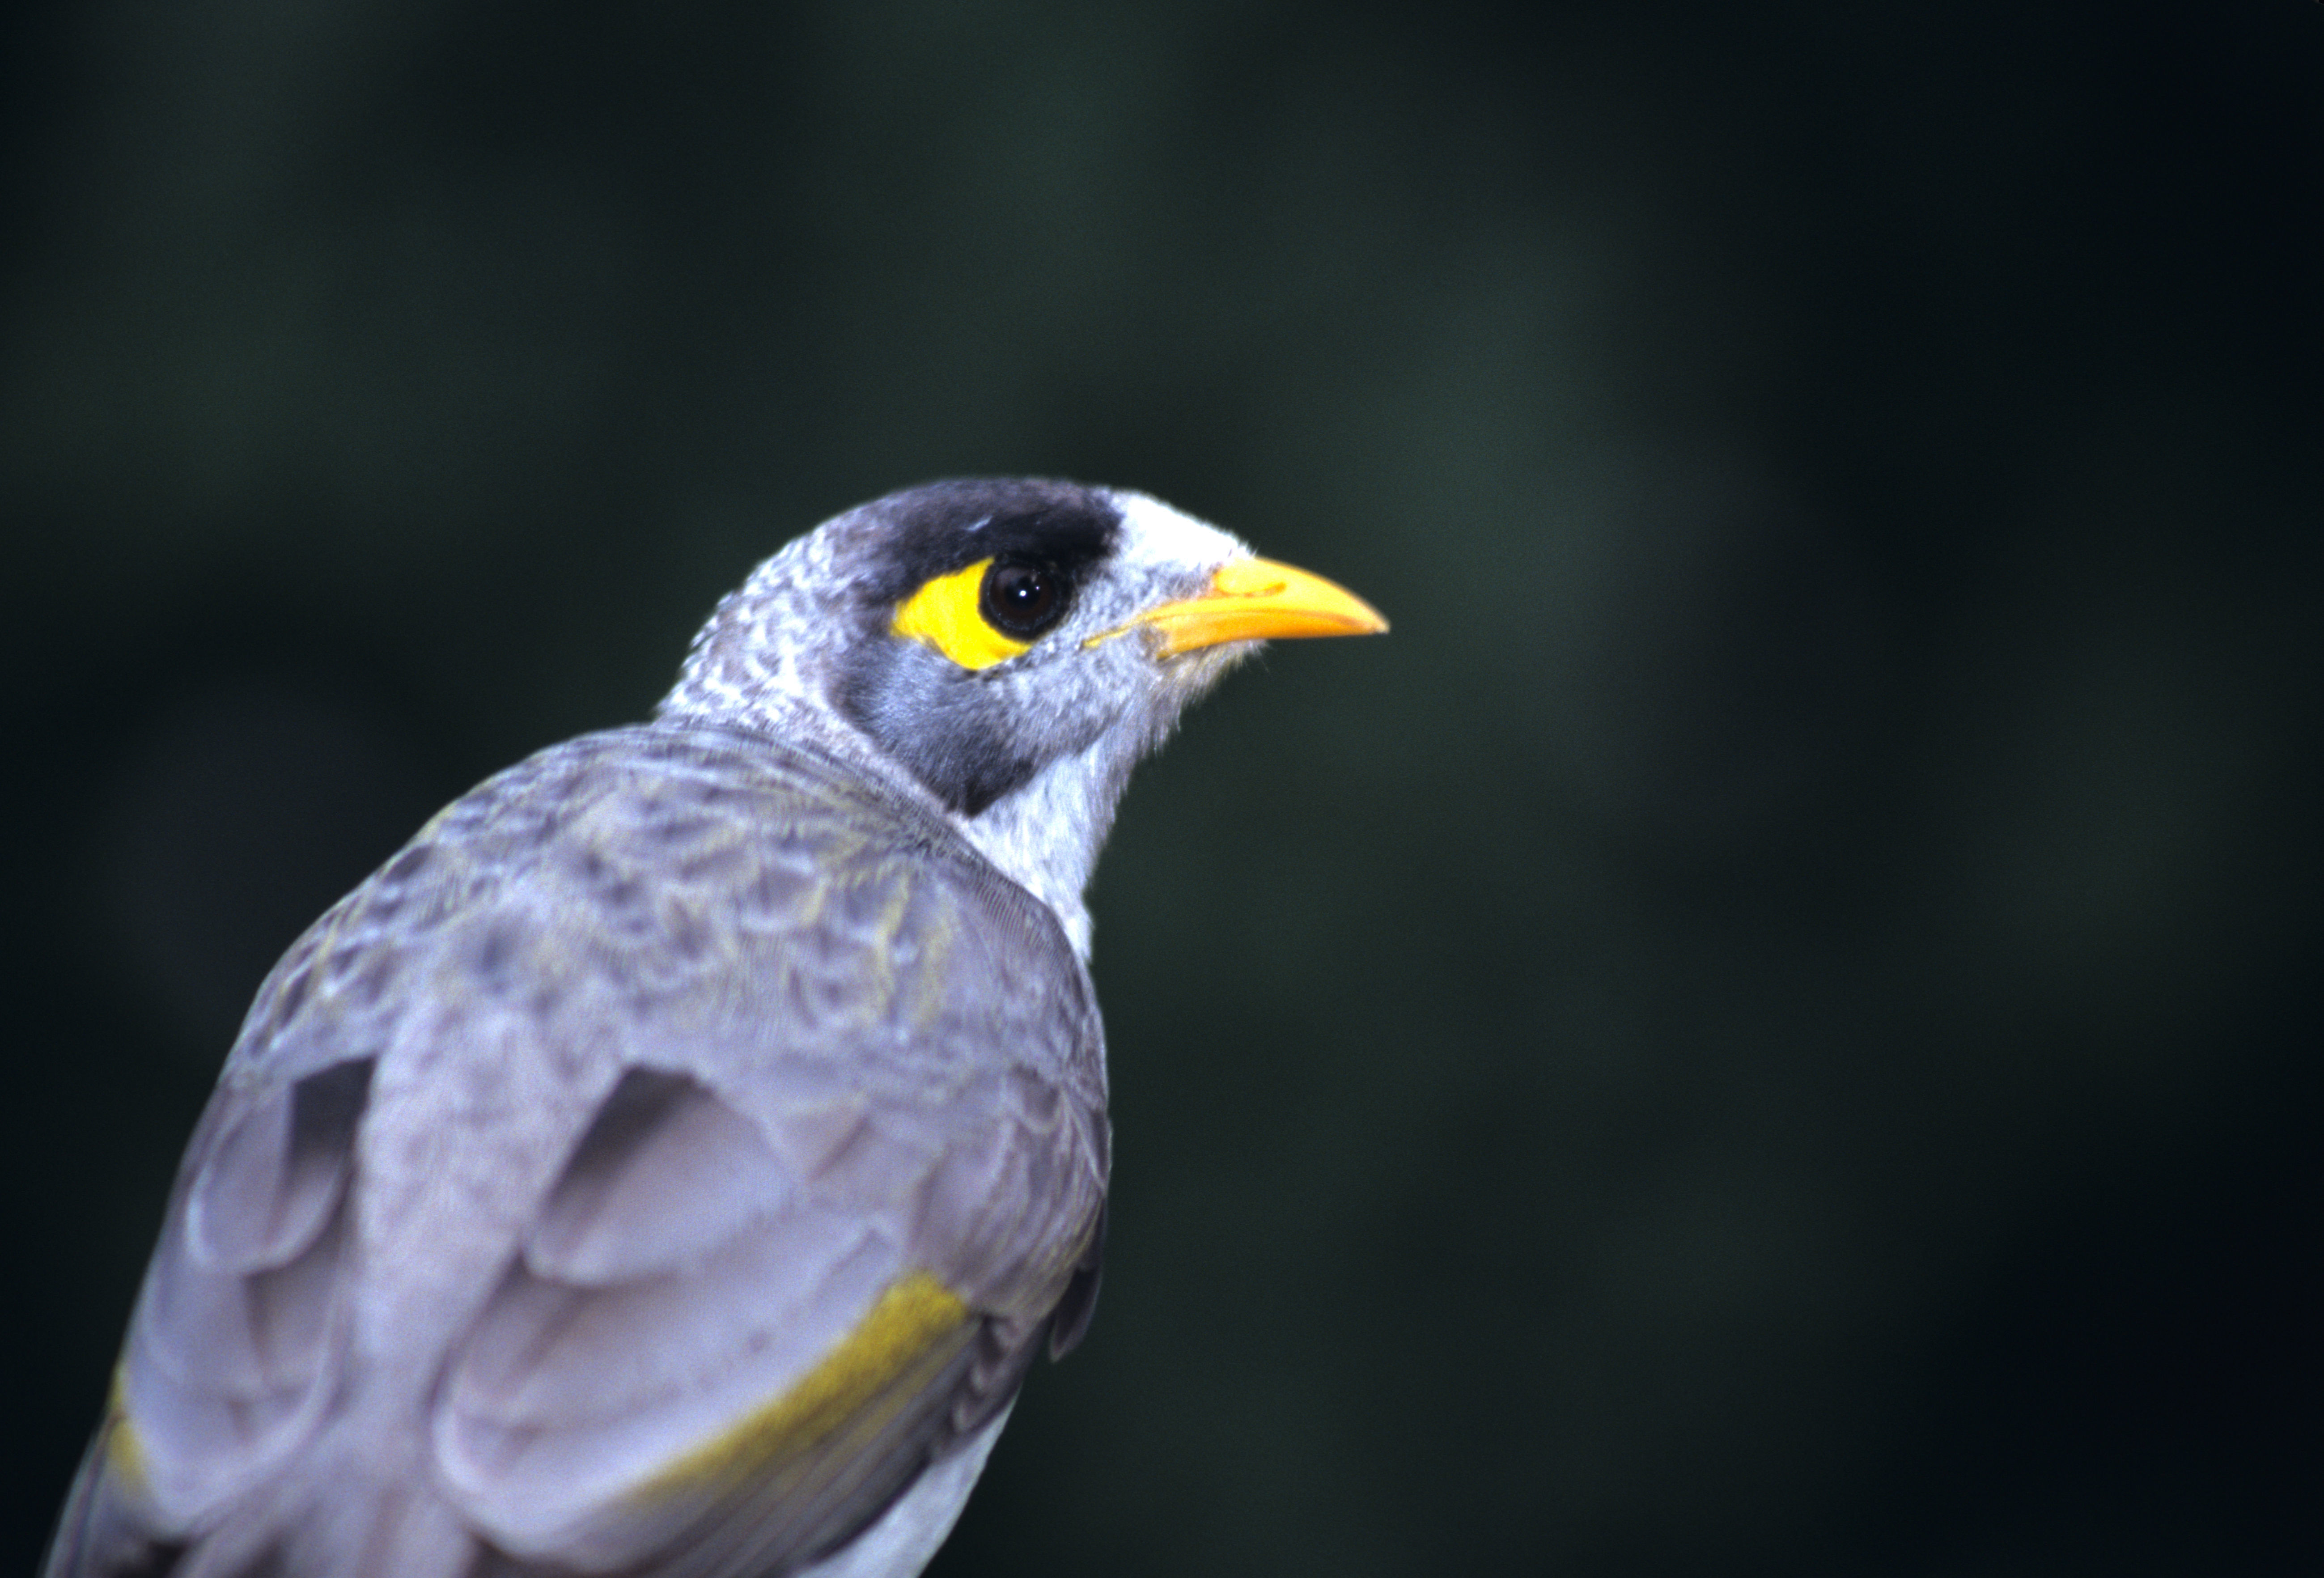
<point>612,1102</point>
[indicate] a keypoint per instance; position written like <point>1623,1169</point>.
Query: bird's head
<point>1009,647</point>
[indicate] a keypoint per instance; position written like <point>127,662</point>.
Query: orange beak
<point>1258,599</point>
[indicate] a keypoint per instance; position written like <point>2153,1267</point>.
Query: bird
<point>672,1159</point>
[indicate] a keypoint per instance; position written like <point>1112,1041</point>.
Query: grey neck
<point>1044,837</point>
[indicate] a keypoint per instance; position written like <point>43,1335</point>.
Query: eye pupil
<point>1023,599</point>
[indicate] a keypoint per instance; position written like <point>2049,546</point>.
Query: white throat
<point>1046,836</point>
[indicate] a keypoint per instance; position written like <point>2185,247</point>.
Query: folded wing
<point>845,1173</point>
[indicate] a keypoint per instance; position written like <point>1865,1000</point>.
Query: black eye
<point>1022,599</point>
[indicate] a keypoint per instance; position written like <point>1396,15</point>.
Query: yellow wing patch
<point>912,1332</point>
<point>125,1453</point>
<point>948,614</point>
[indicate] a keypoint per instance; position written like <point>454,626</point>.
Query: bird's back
<point>681,1143</point>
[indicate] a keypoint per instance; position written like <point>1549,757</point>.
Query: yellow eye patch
<point>948,614</point>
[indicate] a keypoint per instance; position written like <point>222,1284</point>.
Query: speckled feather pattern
<point>1086,716</point>
<point>800,944</point>
<point>610,1106</point>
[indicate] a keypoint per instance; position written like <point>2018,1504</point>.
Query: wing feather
<point>263,1195</point>
<point>664,1173</point>
<point>836,1056</point>
<point>229,1343</point>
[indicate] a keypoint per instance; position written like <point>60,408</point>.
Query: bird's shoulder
<point>656,864</point>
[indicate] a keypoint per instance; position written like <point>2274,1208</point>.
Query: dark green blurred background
<point>1771,1027</point>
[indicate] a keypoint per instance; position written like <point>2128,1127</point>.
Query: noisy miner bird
<point>671,1160</point>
